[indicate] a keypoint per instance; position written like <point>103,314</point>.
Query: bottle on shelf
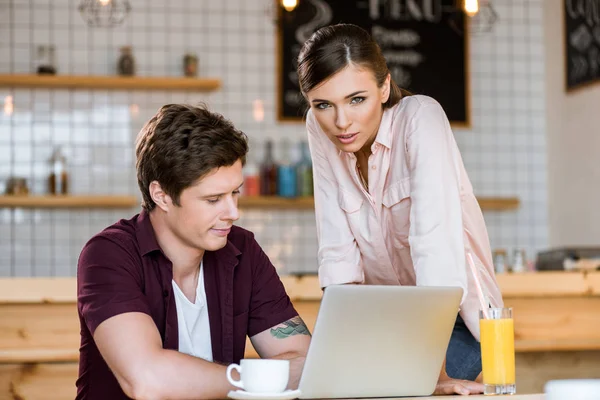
<point>519,260</point>
<point>304,172</point>
<point>500,260</point>
<point>251,185</point>
<point>58,179</point>
<point>268,172</point>
<point>286,171</point>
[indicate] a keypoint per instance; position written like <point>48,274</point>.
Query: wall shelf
<point>307,203</point>
<point>257,203</point>
<point>498,203</point>
<point>108,82</point>
<point>274,202</point>
<point>68,201</point>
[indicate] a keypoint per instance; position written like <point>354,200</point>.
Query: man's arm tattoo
<point>291,327</point>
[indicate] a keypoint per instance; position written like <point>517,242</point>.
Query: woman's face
<point>348,107</point>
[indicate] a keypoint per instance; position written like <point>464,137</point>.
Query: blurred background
<point>524,139</point>
<point>518,80</point>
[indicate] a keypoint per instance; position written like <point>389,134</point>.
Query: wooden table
<point>555,319</point>
<point>513,397</point>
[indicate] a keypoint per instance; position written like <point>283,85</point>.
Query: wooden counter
<point>554,312</point>
<point>557,316</point>
<point>513,397</point>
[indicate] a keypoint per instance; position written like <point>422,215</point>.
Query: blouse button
<point>373,167</point>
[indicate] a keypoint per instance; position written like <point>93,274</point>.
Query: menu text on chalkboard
<point>423,42</point>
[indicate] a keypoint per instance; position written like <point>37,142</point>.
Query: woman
<point>394,205</point>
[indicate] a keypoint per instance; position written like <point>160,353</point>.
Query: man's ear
<point>158,195</point>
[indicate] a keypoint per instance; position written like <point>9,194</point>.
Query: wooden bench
<point>557,316</point>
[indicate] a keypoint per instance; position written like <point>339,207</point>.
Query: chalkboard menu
<point>582,42</point>
<point>423,42</point>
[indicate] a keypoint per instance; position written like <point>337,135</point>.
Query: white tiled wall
<point>504,151</point>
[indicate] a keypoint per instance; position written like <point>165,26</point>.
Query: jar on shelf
<point>190,65</point>
<point>126,63</point>
<point>17,186</point>
<point>45,60</point>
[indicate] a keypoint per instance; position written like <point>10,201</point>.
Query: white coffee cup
<point>572,389</point>
<point>261,376</point>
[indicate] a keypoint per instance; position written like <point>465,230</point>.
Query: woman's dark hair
<point>333,48</point>
<point>180,145</point>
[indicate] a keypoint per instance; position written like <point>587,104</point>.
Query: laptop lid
<point>379,341</point>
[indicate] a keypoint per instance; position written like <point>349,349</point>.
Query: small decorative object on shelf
<point>58,180</point>
<point>190,65</point>
<point>126,63</point>
<point>17,186</point>
<point>45,60</point>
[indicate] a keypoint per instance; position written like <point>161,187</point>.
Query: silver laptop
<point>379,341</point>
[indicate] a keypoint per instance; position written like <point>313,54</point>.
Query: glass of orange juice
<point>498,351</point>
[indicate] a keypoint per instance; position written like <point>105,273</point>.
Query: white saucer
<point>243,395</point>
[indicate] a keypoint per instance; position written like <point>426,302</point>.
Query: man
<point>167,298</point>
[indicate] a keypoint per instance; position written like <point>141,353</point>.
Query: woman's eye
<point>212,201</point>
<point>322,106</point>
<point>236,192</point>
<point>357,100</point>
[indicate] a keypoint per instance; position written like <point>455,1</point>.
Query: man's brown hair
<point>180,145</point>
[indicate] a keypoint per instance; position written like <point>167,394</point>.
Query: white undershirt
<point>192,321</point>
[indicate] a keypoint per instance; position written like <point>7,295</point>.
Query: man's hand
<point>447,385</point>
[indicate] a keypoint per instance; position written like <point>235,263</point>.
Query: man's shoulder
<point>117,240</point>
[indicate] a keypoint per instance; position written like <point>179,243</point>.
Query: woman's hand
<point>447,385</point>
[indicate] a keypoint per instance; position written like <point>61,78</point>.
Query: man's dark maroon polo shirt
<point>122,269</point>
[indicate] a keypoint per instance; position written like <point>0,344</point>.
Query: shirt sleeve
<point>436,229</point>
<point>269,305</point>
<point>338,256</point>
<point>109,282</point>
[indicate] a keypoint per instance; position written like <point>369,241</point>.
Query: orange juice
<point>498,351</point>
